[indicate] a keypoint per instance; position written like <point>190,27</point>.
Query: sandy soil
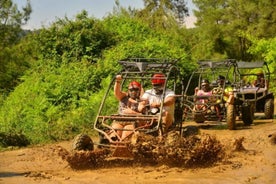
<point>256,164</point>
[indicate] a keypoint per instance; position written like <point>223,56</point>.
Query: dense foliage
<point>12,65</point>
<point>53,79</point>
<point>224,23</point>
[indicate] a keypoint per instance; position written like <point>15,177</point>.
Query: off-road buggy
<point>214,106</point>
<point>252,92</point>
<point>141,70</point>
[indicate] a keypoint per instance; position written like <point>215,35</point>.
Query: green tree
<point>163,14</point>
<point>223,22</point>
<point>11,20</point>
<point>73,40</point>
<point>137,39</point>
<point>12,60</point>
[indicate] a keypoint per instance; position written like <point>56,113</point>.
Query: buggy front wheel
<point>269,108</point>
<point>82,142</point>
<point>231,117</point>
<point>248,113</point>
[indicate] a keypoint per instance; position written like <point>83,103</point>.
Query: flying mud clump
<point>84,159</point>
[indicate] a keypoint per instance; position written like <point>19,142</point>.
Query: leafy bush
<point>38,105</point>
<point>265,49</point>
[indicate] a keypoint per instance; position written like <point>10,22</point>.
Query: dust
<point>172,150</point>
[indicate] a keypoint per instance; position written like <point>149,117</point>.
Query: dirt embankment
<point>251,158</point>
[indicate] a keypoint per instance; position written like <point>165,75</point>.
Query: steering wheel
<point>217,91</point>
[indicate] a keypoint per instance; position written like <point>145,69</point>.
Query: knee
<point>116,125</point>
<point>168,116</point>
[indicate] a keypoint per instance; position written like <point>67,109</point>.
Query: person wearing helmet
<point>205,89</point>
<point>202,94</point>
<point>260,81</point>
<point>128,104</point>
<point>228,95</point>
<point>128,100</point>
<point>153,97</point>
<point>221,81</point>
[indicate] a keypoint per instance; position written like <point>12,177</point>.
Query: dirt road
<point>256,164</point>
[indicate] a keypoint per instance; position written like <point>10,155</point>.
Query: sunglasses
<point>133,89</point>
<point>157,85</point>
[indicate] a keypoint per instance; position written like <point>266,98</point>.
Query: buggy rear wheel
<point>199,117</point>
<point>231,117</point>
<point>248,114</point>
<point>269,108</point>
<point>82,142</point>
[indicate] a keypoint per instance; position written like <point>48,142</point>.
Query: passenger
<point>260,81</point>
<point>128,100</point>
<point>153,97</point>
<point>221,81</point>
<point>228,95</point>
<point>128,104</point>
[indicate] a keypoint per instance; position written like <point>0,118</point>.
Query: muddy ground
<point>253,161</point>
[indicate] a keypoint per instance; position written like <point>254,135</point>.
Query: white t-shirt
<point>151,96</point>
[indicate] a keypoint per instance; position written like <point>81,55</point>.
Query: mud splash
<point>173,150</point>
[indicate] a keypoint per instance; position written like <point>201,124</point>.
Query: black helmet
<point>221,77</point>
<point>205,81</point>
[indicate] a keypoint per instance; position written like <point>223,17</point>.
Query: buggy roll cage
<point>242,65</point>
<point>140,69</point>
<point>204,65</point>
<point>210,69</point>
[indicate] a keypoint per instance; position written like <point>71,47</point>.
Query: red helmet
<point>134,84</point>
<point>158,79</point>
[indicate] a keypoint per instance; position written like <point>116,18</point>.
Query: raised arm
<point>117,88</point>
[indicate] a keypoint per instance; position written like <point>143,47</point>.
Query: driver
<point>228,96</point>
<point>153,98</point>
<point>205,91</point>
<point>260,81</point>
